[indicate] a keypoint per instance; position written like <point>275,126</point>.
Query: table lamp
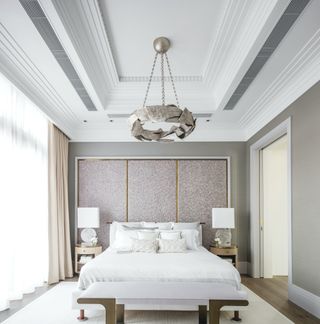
<point>88,219</point>
<point>223,221</point>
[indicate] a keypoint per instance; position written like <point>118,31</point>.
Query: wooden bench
<point>114,295</point>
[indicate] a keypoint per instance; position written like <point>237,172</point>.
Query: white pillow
<point>116,225</point>
<point>170,235</point>
<point>192,238</point>
<point>147,235</point>
<point>172,246</point>
<point>160,226</point>
<point>123,239</point>
<point>148,246</point>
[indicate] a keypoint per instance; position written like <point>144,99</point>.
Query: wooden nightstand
<point>85,251</point>
<point>226,253</point>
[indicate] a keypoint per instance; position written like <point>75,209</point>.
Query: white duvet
<point>197,266</point>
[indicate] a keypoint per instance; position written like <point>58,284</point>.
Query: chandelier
<point>185,123</point>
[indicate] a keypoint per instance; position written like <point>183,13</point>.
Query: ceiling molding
<point>251,27</point>
<point>83,23</point>
<point>221,45</point>
<point>59,29</point>
<point>19,68</point>
<point>302,72</point>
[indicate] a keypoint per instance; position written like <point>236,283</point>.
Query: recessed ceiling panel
<point>133,25</point>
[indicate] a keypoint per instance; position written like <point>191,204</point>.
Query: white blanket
<point>197,266</point>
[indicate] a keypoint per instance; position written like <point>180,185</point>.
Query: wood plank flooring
<point>275,292</point>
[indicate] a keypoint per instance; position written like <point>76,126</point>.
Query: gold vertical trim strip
<point>127,191</point>
<point>227,183</point>
<point>177,191</point>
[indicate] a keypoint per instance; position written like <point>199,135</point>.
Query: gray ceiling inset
<point>43,26</point>
<point>290,15</point>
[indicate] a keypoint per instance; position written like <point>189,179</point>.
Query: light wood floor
<point>275,292</point>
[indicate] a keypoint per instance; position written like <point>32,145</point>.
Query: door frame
<point>255,221</point>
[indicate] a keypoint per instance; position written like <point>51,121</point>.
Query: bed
<point>190,266</point>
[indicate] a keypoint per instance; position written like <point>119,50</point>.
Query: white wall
<point>274,210</point>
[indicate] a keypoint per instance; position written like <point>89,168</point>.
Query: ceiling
<point>86,63</point>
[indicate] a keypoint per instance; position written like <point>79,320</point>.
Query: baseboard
<point>243,267</point>
<point>304,299</point>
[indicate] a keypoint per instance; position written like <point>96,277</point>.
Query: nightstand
<point>230,252</point>
<point>88,251</point>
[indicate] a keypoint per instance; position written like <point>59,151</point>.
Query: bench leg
<point>202,314</point>
<point>215,306</point>
<point>214,311</point>
<point>120,313</point>
<point>110,307</point>
<point>236,317</point>
<point>81,316</point>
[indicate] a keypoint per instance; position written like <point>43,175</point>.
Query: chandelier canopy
<point>161,113</point>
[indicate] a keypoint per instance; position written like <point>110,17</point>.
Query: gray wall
<point>236,150</point>
<point>305,150</point>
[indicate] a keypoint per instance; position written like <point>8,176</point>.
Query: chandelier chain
<point>162,81</point>
<point>172,82</point>
<point>150,79</point>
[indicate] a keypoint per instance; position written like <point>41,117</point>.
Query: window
<point>23,195</point>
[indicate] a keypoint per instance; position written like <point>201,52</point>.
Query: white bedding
<point>197,266</point>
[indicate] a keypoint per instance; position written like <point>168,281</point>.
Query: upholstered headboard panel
<point>153,190</point>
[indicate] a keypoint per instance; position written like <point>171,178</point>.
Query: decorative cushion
<point>170,235</point>
<point>172,246</point>
<point>147,235</point>
<point>192,238</point>
<point>147,246</point>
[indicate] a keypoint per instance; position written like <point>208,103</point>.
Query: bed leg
<point>81,316</point>
<point>236,317</point>
<point>120,313</point>
<point>202,314</point>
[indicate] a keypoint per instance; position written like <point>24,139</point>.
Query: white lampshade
<point>88,217</point>
<point>222,217</point>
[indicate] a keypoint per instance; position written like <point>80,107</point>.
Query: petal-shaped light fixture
<point>161,113</point>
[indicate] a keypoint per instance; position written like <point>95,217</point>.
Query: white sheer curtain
<point>23,195</point>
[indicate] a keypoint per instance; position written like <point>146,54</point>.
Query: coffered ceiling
<point>85,63</point>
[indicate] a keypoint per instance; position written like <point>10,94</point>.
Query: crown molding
<point>21,71</point>
<point>59,29</point>
<point>245,27</point>
<point>298,76</point>
<point>220,46</point>
<point>85,28</point>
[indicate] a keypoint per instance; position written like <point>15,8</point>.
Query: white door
<point>274,209</point>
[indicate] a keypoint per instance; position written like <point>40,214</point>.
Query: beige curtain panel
<point>60,264</point>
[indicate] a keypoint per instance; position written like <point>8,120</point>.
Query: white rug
<point>54,307</point>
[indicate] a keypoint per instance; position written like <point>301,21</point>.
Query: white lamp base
<point>87,235</point>
<point>225,237</point>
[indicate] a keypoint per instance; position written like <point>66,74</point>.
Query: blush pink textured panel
<point>102,183</point>
<point>202,186</point>
<point>152,190</point>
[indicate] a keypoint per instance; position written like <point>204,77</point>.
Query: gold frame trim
<point>127,190</point>
<point>177,191</point>
<point>79,159</point>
